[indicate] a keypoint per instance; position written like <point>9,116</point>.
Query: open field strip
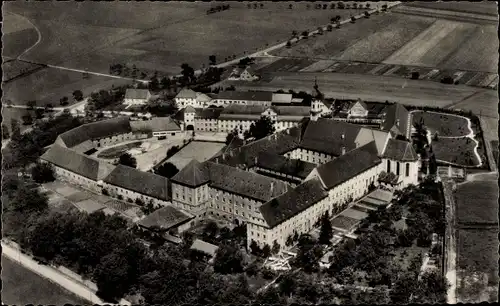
<point>487,80</point>
<point>445,14</point>
<point>479,7</point>
<point>413,51</point>
<point>478,53</point>
<point>318,66</point>
<point>386,40</point>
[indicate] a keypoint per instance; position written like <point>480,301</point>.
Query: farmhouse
<point>136,96</point>
<point>243,74</point>
<point>188,97</point>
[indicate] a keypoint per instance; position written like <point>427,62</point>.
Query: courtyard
<point>199,150</point>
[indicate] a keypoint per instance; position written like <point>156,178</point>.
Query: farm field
<point>374,88</point>
<point>460,13</point>
<point>18,35</point>
<point>20,286</point>
<point>15,68</point>
<point>166,33</point>
<point>456,150</point>
<point>445,125</point>
<point>199,150</point>
<point>482,7</point>
<point>477,202</point>
<point>49,85</point>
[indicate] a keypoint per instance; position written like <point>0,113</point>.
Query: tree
<point>127,159</point>
<point>415,75</point>
<point>269,297</point>
<point>432,288</point>
<point>367,15</point>
<point>290,6</point>
<point>341,5</point>
<point>288,44</point>
<point>326,232</point>
<point>111,277</point>
<point>436,137</point>
<point>43,173</point>
<point>329,28</point>
<point>27,119</point>
<point>266,251</point>
<point>261,128</point>
<point>254,248</point>
<point>403,288</point>
<point>305,34</point>
<point>187,73</point>
<point>31,104</point>
<point>447,80</point>
<point>353,19</point>
<point>78,95</point>
<point>212,59</point>
<point>167,170</point>
<point>276,247</point>
<point>154,84</point>
<point>308,255</point>
<point>210,231</point>
<point>228,260</point>
<point>64,101</point>
<point>320,30</point>
<point>27,200</point>
<point>231,136</point>
<point>5,132</point>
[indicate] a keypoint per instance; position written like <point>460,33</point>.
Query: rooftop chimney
<point>223,156</point>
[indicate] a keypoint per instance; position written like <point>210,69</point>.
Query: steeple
<point>318,95</point>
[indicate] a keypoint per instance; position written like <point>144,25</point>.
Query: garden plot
<point>456,151</point>
<point>198,150</point>
<point>446,125</point>
<point>344,224</point>
<point>477,202</point>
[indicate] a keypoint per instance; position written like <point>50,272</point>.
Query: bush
<point>268,273</point>
<point>447,80</point>
<point>105,192</point>
<point>130,200</point>
<point>119,197</point>
<point>415,75</point>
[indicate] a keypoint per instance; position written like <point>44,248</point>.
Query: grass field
<point>481,7</point>
<point>18,35</point>
<point>455,150</point>
<point>444,124</point>
<point>477,201</point>
<point>117,151</point>
<point>199,150</point>
<point>14,68</point>
<point>49,85</point>
<point>478,252</point>
<point>21,287</point>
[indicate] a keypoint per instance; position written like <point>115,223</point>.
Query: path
<point>96,73</point>
<point>52,274</point>
<point>39,39</point>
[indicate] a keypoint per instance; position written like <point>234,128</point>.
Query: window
<point>388,166</point>
<point>407,169</point>
<point>397,168</point>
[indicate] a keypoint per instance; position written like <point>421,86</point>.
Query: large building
<point>278,186</point>
<point>283,183</point>
<point>136,96</point>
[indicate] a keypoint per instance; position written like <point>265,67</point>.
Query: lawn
<point>199,150</point>
<point>49,85</point>
<point>478,252</point>
<point>117,151</point>
<point>21,287</point>
<point>455,150</point>
<point>445,125</point>
<point>477,201</point>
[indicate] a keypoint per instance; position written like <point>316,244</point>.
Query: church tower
<point>317,102</point>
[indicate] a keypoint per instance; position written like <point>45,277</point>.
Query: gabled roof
<point>208,113</point>
<point>300,111</point>
<point>244,109</point>
<point>78,163</point>
<point>201,97</point>
<point>293,202</point>
<point>367,135</point>
<point>165,218</point>
<point>400,150</point>
<point>204,247</point>
<point>194,174</point>
<point>360,102</point>
<point>282,98</point>
<point>133,93</point>
<point>396,119</point>
<point>329,136</point>
<point>186,93</point>
<point>281,164</point>
<point>145,183</point>
<point>347,166</point>
<point>189,109</point>
<point>244,183</point>
<point>250,70</point>
<point>96,130</point>
<point>156,124</point>
<point>266,96</point>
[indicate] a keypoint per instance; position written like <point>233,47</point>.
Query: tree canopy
<point>167,170</point>
<point>127,159</point>
<point>260,128</point>
<point>43,173</point>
